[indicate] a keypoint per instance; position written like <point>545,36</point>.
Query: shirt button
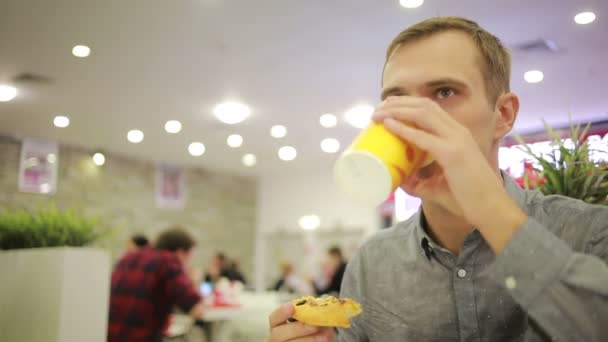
<point>510,283</point>
<point>462,273</point>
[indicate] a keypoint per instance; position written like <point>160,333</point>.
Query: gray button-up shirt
<point>550,282</point>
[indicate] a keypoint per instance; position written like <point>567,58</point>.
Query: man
<point>483,260</point>
<point>147,284</point>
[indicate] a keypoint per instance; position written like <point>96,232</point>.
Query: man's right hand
<point>281,330</point>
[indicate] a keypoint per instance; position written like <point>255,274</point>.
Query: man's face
<point>130,246</point>
<point>185,257</point>
<point>446,68</point>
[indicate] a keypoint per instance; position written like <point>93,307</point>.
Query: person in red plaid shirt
<point>148,284</point>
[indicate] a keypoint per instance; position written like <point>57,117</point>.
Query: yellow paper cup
<point>376,163</point>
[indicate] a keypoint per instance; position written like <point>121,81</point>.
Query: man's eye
<point>444,93</point>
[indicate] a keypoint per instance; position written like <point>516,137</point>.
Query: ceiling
<point>290,61</point>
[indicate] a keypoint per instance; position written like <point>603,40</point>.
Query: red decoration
<point>534,178</point>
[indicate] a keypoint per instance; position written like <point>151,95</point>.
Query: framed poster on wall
<point>38,166</point>
<point>170,187</point>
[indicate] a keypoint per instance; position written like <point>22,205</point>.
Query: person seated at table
<point>217,268</point>
<point>286,272</point>
<point>148,283</point>
<point>336,264</point>
<point>291,282</point>
<point>233,272</point>
<point>136,242</point>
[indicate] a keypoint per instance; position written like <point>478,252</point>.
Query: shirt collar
<point>518,194</point>
<point>421,226</point>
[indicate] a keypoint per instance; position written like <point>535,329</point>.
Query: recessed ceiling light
<point>196,149</point>
<point>287,153</point>
<point>278,131</point>
<point>231,112</point>
<point>328,120</point>
<point>81,51</point>
<point>309,222</point>
<point>534,76</point>
<point>234,140</point>
<point>249,160</point>
<point>7,93</point>
<point>359,116</point>
<point>173,126</point>
<point>99,159</point>
<point>135,136</point>
<point>61,121</point>
<point>411,3</point>
<point>584,18</point>
<point>51,158</point>
<point>45,188</point>
<point>330,145</point>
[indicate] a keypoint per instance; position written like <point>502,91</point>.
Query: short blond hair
<point>496,60</point>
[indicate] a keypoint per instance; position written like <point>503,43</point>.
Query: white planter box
<point>54,294</point>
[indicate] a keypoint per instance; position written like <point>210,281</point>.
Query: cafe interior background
<point>225,116</point>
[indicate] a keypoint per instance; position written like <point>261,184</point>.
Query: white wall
<point>283,199</point>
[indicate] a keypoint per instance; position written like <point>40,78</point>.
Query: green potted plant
<point>568,170</point>
<point>55,285</point>
<point>48,227</point>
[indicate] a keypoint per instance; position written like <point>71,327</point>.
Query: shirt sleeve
<point>352,288</point>
<point>179,287</point>
<point>564,292</point>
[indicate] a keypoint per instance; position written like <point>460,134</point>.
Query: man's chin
<point>425,181</point>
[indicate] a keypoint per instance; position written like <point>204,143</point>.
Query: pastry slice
<point>326,311</point>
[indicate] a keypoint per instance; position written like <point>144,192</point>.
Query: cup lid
<point>363,176</point>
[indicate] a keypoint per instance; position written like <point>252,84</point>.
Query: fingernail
<point>287,308</point>
<point>389,121</point>
<point>321,338</point>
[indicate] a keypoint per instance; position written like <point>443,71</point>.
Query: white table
<point>251,323</point>
<point>247,323</point>
<point>214,314</point>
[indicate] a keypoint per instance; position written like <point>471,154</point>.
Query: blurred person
<point>195,274</point>
<point>136,242</point>
<point>333,269</point>
<point>217,268</point>
<point>483,259</point>
<point>286,272</point>
<point>323,277</point>
<point>233,272</point>
<point>147,284</point>
<point>289,281</point>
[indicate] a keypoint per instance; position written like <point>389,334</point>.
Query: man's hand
<point>475,190</point>
<point>281,330</point>
<point>198,310</point>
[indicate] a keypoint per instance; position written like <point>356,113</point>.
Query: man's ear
<point>507,107</point>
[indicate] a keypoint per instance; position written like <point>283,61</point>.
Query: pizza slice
<point>326,311</point>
